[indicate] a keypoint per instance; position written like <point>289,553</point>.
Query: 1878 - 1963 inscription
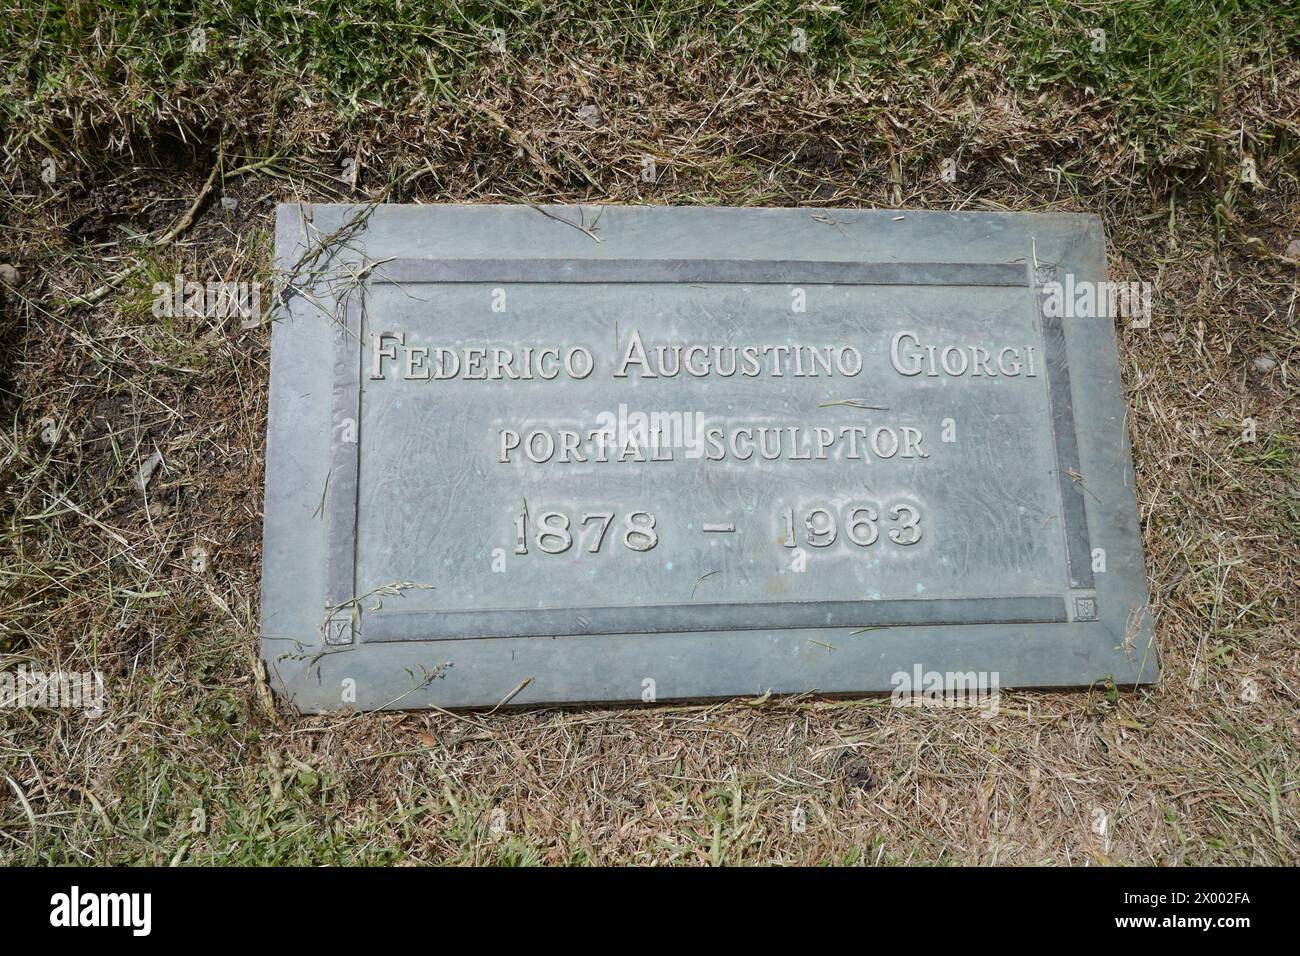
<point>602,454</point>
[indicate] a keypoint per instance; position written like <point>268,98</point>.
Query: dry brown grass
<point>97,574</point>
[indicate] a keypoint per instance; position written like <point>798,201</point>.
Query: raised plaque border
<point>343,613</point>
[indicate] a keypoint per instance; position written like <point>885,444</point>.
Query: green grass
<point>1168,71</point>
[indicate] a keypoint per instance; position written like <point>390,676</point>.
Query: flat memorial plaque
<point>585,454</point>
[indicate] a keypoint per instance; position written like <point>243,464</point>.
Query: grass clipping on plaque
<point>143,141</point>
